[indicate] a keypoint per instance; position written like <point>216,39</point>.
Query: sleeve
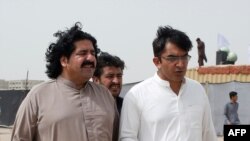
<point>25,123</point>
<point>130,119</point>
<point>237,113</point>
<point>208,130</point>
<point>226,114</point>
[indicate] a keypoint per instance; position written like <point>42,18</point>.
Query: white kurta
<point>153,112</point>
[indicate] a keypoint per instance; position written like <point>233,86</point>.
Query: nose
<point>90,57</point>
<point>180,63</point>
<point>116,80</point>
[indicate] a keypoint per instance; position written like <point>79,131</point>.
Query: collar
<point>69,83</point>
<point>164,83</point>
<point>233,102</point>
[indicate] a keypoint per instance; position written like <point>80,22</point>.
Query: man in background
<point>201,52</point>
<point>231,110</point>
<point>109,72</point>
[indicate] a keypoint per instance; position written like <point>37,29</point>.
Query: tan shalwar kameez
<point>57,111</point>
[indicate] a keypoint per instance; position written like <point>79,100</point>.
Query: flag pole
<point>26,83</point>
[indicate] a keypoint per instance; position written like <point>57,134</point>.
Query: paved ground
<point>6,132</point>
<point>220,139</point>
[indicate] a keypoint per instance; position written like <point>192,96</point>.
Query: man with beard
<point>68,107</point>
<point>109,72</point>
<point>167,106</point>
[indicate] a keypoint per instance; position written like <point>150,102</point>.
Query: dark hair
<point>232,94</point>
<point>168,34</point>
<point>64,46</point>
<point>105,59</point>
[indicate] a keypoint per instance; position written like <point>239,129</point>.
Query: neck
<point>78,83</point>
<point>175,86</point>
<point>233,101</point>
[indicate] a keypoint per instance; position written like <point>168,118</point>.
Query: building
<point>3,84</point>
<point>22,84</point>
<point>18,84</point>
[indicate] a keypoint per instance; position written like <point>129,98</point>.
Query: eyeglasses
<point>185,58</point>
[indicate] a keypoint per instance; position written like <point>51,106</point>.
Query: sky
<point>125,28</point>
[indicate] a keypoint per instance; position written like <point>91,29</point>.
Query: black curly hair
<point>168,34</point>
<point>105,59</point>
<point>64,46</point>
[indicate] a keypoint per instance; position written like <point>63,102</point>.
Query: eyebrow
<point>113,74</point>
<point>85,50</point>
<point>177,56</point>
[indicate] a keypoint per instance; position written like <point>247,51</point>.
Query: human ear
<point>63,61</point>
<point>157,62</point>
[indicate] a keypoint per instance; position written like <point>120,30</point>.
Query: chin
<point>179,79</point>
<point>88,75</point>
<point>115,94</point>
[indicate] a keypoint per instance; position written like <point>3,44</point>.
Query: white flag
<point>222,41</point>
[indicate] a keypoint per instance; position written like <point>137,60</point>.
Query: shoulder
<point>193,83</point>
<point>97,87</point>
<point>42,86</point>
<point>45,84</point>
<point>101,91</point>
<point>37,92</point>
<point>140,91</point>
<point>195,88</point>
<point>142,85</point>
<point>228,104</point>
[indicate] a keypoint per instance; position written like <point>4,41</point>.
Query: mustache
<point>88,63</point>
<point>119,85</point>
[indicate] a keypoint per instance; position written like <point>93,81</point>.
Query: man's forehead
<point>83,43</point>
<point>111,70</point>
<point>175,51</point>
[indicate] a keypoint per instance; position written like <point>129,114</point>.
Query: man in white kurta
<point>168,106</point>
<point>153,112</point>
